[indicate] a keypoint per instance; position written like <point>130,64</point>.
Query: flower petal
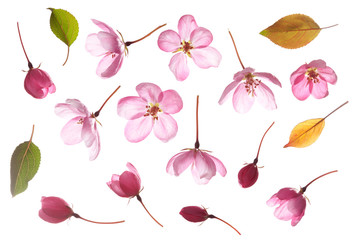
<point>265,96</point>
<point>114,185</point>
<point>129,183</point>
<point>131,107</point>
<point>241,100</point>
<point>88,135</point>
<point>72,108</point>
<point>220,168</point>
<point>297,205</point>
<point>72,132</point>
<point>317,64</point>
<point>227,92</point>
<point>203,168</point>
<point>239,76</point>
<point>274,200</point>
<point>201,37</point>
<point>179,67</point>
<point>287,193</point>
<point>95,147</point>
<point>171,102</point>
<point>109,65</point>
<point>327,74</point>
<point>269,77</point>
<point>319,90</point>
<point>134,171</point>
<point>206,57</point>
<point>165,128</point>
<point>138,129</point>
<point>110,42</point>
<point>300,88</point>
<point>298,73</point>
<point>282,212</point>
<point>186,26</point>
<point>180,162</point>
<point>149,92</point>
<point>169,41</point>
<point>104,26</point>
<point>93,45</point>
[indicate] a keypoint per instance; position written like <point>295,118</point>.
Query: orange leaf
<point>292,31</point>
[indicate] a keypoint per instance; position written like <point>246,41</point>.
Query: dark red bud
<point>194,214</point>
<point>248,175</point>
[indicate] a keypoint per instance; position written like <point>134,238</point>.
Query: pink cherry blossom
<point>152,109</point>
<point>312,78</point>
<point>81,126</point>
<point>108,44</point>
<point>191,41</point>
<point>55,210</point>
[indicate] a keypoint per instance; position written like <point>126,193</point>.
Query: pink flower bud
<point>55,210</point>
<point>248,175</point>
<point>194,214</point>
<point>38,83</point>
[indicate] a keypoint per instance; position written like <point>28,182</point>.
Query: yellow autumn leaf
<point>292,31</point>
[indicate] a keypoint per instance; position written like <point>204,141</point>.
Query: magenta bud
<point>38,83</point>
<point>248,175</point>
<point>55,210</point>
<point>194,214</point>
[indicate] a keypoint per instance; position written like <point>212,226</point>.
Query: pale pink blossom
<point>191,41</point>
<point>312,78</point>
<point>81,126</point>
<point>108,44</point>
<point>152,109</point>
<point>248,86</point>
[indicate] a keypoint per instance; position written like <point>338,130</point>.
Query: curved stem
<point>305,188</point>
<point>67,57</point>
<point>237,53</point>
<point>258,152</point>
<point>143,205</point>
<point>87,220</point>
<point>336,109</point>
<point>96,114</point>
<point>131,42</point>
<point>197,144</point>
<point>227,224</point>
<point>28,60</point>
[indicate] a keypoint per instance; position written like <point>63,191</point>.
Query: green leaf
<point>64,25</point>
<point>25,162</point>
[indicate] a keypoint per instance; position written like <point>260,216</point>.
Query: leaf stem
<point>143,205</point>
<point>212,216</point>
<point>258,152</point>
<point>132,42</point>
<point>305,188</point>
<point>336,109</point>
<point>87,220</point>
<point>197,144</point>
<point>237,53</point>
<point>28,60</point>
<point>96,114</point>
<point>67,57</point>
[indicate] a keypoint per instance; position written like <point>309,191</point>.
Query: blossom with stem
<point>128,185</point>
<point>291,202</point>
<point>248,175</point>
<point>82,124</point>
<point>37,82</point>
<point>248,86</point>
<point>204,165</point>
<point>108,44</point>
<point>199,214</point>
<point>56,210</point>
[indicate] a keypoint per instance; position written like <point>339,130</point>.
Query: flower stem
<point>131,42</point>
<point>28,60</point>
<point>212,216</point>
<point>77,216</point>
<point>143,205</point>
<point>96,114</point>
<point>237,53</point>
<point>305,188</point>
<point>258,152</point>
<point>336,109</point>
<point>197,144</point>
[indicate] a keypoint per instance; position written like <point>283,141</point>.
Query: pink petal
<point>48,218</point>
<point>88,134</point>
<point>54,210</point>
<point>165,128</point>
<point>95,147</point>
<point>327,74</point>
<point>206,57</point>
<point>109,65</point>
<point>114,185</point>
<point>241,100</point>
<point>274,200</point>
<point>169,41</point>
<point>297,205</point>
<point>201,37</point>
<point>93,45</point>
<point>104,26</point>
<point>239,76</point>
<point>131,107</point>
<point>317,64</point>
<point>265,96</point>
<point>129,183</point>
<point>178,65</point>
<point>138,129</point>
<point>227,92</point>
<point>295,220</point>
<point>203,168</point>
<point>269,77</point>
<point>298,73</point>
<point>72,108</point>
<point>180,162</point>
<point>134,171</point>
<point>220,168</point>
<point>72,132</point>
<point>282,212</point>
<point>301,89</point>
<point>37,82</point>
<point>149,92</point>
<point>319,90</point>
<point>110,42</point>
<point>287,193</point>
<point>171,102</point>
<point>186,26</point>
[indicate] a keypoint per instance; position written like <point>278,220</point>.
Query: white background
<point>66,172</point>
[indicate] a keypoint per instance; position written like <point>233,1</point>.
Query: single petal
<point>88,134</point>
<point>72,132</point>
<point>203,168</point>
<point>317,64</point>
<point>149,92</point>
<point>165,128</point>
<point>269,77</point>
<point>134,171</point>
<point>95,147</point>
<point>297,73</point>
<point>48,218</point>
<point>241,100</point>
<point>114,185</point>
<point>93,45</point>
<point>104,26</point>
<point>131,107</point>
<point>171,102</point>
<point>287,193</point>
<point>129,183</point>
<point>282,212</point>
<point>72,108</point>
<point>180,162</point>
<point>220,168</point>
<point>295,220</point>
<point>319,89</point>
<point>169,41</point>
<point>110,42</point>
<point>201,37</point>
<point>274,200</point>
<point>138,129</point>
<point>327,74</point>
<point>297,205</point>
<point>301,89</point>
<point>265,96</point>
<point>186,26</point>
<point>206,57</point>
<point>227,92</point>
<point>109,65</point>
<point>179,67</point>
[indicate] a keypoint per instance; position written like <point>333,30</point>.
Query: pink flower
<point>312,79</point>
<point>152,109</point>
<point>55,210</point>
<point>81,126</point>
<point>108,44</point>
<point>128,184</point>
<point>248,175</point>
<point>247,86</point>
<point>194,214</point>
<point>38,83</point>
<point>191,41</point>
<point>291,205</point>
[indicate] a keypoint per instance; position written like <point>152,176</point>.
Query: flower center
<point>80,121</point>
<point>312,75</point>
<point>251,84</point>
<point>153,110</point>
